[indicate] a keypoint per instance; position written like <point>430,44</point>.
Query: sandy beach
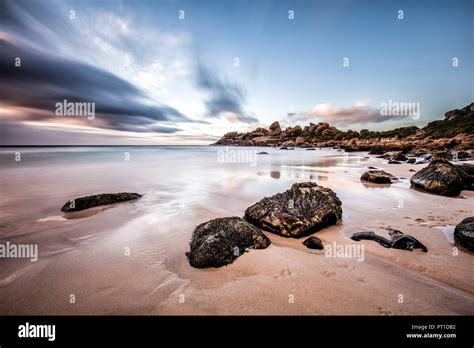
<point>130,258</point>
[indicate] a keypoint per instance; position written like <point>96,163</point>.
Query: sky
<point>186,72</point>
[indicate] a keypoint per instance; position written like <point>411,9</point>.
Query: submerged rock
<point>86,202</point>
<point>220,241</point>
<point>442,178</point>
<point>398,240</point>
<point>464,233</point>
<point>303,209</point>
<point>378,177</point>
<point>313,243</point>
<point>262,153</point>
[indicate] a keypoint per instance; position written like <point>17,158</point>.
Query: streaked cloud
<point>225,99</point>
<point>359,113</point>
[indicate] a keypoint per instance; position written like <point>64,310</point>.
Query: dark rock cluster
<point>303,209</point>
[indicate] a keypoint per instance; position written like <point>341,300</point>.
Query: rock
<point>376,150</point>
<point>275,128</point>
<point>464,233</point>
<point>310,149</point>
<point>399,157</point>
<point>322,127</point>
<point>358,236</point>
<point>220,241</point>
<point>412,170</point>
<point>289,143</point>
<point>262,153</point>
<point>394,162</point>
<point>398,240</point>
<point>86,202</point>
<point>456,113</point>
<point>466,167</point>
<point>314,243</point>
<point>421,162</point>
<point>441,155</point>
<point>262,130</point>
<point>299,141</point>
<point>303,209</point>
<point>312,128</point>
<point>439,177</point>
<point>231,134</point>
<point>378,177</point>
<point>295,131</point>
<point>426,156</point>
<point>411,160</point>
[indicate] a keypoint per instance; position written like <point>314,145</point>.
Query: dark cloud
<point>43,80</point>
<point>226,99</point>
<point>35,32</point>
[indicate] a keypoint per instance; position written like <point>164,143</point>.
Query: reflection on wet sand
<point>184,187</point>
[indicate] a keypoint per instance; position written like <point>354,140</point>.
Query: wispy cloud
<point>359,113</point>
<point>226,100</point>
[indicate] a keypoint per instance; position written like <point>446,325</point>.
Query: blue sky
<point>159,79</point>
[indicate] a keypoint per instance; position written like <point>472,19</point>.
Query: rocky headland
<point>451,136</point>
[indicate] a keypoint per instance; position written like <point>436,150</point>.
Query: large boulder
<point>378,177</point>
<point>263,141</point>
<point>295,131</point>
<point>289,143</point>
<point>442,177</point>
<point>466,171</point>
<point>299,141</point>
<point>220,241</point>
<point>275,128</point>
<point>86,202</point>
<point>464,233</point>
<point>303,209</point>
<point>322,127</point>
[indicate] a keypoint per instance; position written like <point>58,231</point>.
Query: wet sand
<point>88,256</point>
